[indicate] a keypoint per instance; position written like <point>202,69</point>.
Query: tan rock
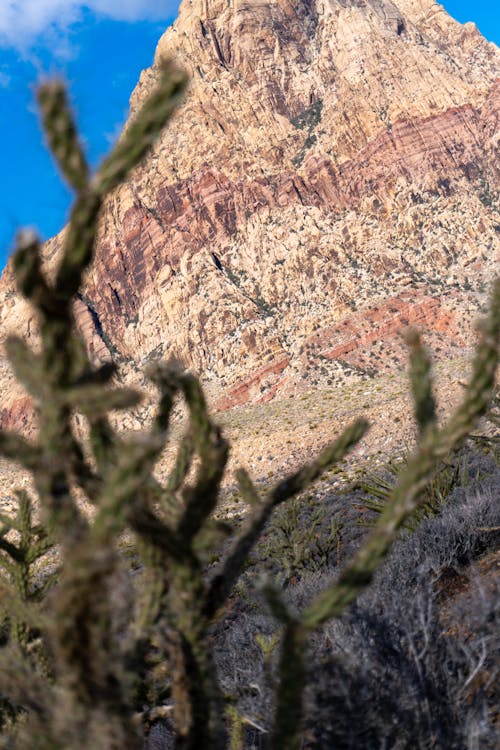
<point>331,176</point>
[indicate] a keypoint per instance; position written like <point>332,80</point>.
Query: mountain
<point>331,177</point>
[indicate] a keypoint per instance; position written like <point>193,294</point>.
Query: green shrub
<point>300,538</point>
<point>94,663</point>
<point>378,488</point>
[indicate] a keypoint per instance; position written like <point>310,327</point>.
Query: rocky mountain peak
<point>331,177</point>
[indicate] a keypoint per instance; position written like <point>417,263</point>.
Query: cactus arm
<point>182,464</point>
<point>79,630</point>
<point>212,449</point>
<point>247,488</point>
<point>434,446</point>
<point>333,453</point>
<point>18,449</point>
<point>102,442</point>
<point>421,382</point>
<point>224,581</point>
<point>27,366</point>
<point>201,499</point>
<point>142,132</point>
<point>166,378</point>
<point>61,134</point>
<point>292,672</point>
<point>29,277</point>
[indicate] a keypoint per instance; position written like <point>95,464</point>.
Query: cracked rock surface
<point>331,177</point>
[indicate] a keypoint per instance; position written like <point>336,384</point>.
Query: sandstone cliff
<point>332,176</point>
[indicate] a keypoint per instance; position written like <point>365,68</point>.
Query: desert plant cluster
<point>148,621</point>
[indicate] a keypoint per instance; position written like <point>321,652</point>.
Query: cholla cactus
<point>18,558</point>
<point>22,545</point>
<point>99,679</point>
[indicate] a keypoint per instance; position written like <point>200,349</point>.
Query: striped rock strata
<point>331,177</point>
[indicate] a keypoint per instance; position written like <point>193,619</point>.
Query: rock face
<point>331,177</point>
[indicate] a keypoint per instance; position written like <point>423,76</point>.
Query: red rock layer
<point>332,175</point>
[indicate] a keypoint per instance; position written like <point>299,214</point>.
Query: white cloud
<point>24,21</point>
<point>5,80</point>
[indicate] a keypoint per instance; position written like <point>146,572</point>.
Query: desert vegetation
<point>149,620</point>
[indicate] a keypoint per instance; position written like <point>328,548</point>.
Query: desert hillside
<point>331,177</point>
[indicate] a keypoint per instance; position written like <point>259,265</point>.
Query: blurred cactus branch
<point>18,449</point>
<point>100,678</point>
<point>62,382</point>
<point>61,133</point>
<point>27,366</point>
<point>292,672</point>
<point>200,499</point>
<point>20,617</point>
<point>421,382</point>
<point>434,446</point>
<point>197,704</point>
<point>182,464</point>
<point>143,130</point>
<point>224,581</point>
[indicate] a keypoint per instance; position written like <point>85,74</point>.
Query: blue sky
<point>100,47</point>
